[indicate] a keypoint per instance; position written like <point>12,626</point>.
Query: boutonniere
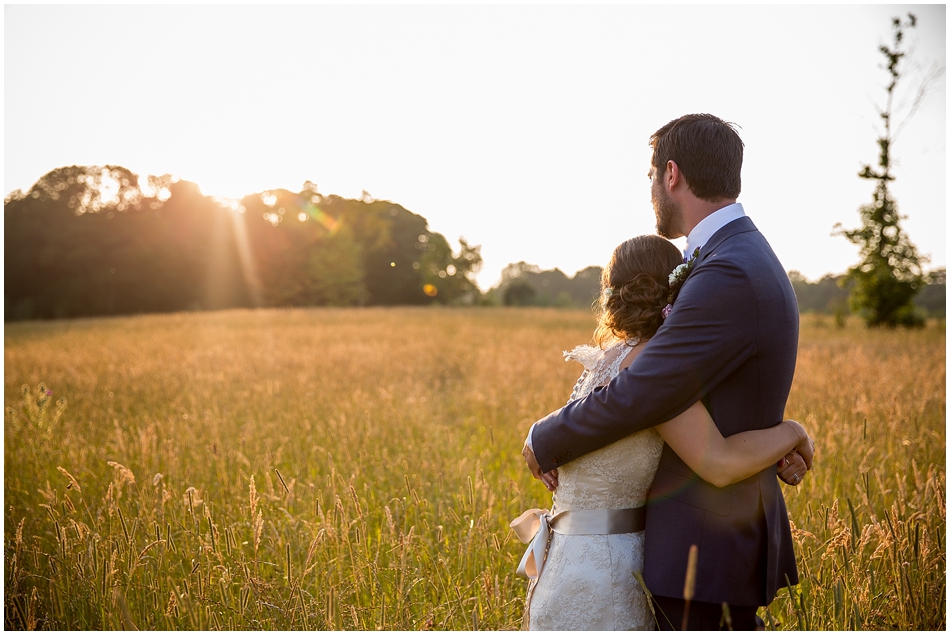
<point>677,278</point>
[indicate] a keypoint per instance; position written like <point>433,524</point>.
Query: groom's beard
<point>665,211</point>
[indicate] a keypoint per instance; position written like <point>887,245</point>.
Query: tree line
<point>524,284</point>
<point>831,294</point>
<point>90,240</point>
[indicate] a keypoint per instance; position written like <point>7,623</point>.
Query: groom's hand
<point>548,478</point>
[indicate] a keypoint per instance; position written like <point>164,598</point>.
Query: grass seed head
<point>73,483</point>
<point>258,528</point>
<point>253,499</point>
<point>123,474</point>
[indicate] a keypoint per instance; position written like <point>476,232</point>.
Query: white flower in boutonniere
<point>677,278</point>
<point>679,271</point>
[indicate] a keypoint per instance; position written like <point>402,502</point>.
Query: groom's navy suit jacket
<point>730,341</point>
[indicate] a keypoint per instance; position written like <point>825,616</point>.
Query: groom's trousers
<point>704,616</point>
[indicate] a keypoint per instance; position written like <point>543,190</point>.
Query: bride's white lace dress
<point>587,581</point>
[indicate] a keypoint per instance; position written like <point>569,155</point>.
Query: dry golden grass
<point>357,469</point>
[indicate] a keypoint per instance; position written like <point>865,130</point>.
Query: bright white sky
<point>523,129</point>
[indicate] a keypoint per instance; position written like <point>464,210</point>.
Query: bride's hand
<point>792,468</point>
<point>806,446</point>
<point>548,478</point>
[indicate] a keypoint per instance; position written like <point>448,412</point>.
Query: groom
<point>730,340</point>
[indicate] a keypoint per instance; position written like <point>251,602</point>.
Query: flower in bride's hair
<point>609,291</point>
<point>667,310</point>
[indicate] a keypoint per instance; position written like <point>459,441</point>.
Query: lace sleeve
<point>600,366</point>
<point>585,354</point>
<point>590,357</point>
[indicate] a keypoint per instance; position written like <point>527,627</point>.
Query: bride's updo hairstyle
<point>634,288</point>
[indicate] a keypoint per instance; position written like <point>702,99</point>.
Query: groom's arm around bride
<point>730,340</point>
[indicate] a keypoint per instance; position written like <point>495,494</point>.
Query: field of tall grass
<point>357,469</point>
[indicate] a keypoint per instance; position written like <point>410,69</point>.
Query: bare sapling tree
<point>883,285</point>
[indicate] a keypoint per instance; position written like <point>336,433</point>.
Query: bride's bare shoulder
<point>632,354</point>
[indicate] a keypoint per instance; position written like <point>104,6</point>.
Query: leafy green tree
<point>824,296</point>
<point>550,287</point>
<point>93,240</point>
<point>281,237</point>
<point>883,285</point>
<point>467,263</point>
<point>335,273</point>
<point>100,240</point>
<point>933,297</point>
<point>448,277</point>
<point>518,293</point>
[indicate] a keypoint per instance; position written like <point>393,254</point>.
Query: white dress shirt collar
<point>710,225</point>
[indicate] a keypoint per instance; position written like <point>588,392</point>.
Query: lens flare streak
<point>331,224</point>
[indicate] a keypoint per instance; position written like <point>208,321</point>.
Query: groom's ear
<point>673,175</point>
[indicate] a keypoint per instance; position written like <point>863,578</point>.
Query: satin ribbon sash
<point>534,527</point>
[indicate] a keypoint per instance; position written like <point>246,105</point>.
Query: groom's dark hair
<point>708,152</point>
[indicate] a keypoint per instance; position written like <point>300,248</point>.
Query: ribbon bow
<point>534,527</point>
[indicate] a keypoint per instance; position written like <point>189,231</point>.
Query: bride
<point>586,554</point>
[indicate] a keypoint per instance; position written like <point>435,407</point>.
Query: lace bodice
<point>588,582</point>
<point>616,476</point>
